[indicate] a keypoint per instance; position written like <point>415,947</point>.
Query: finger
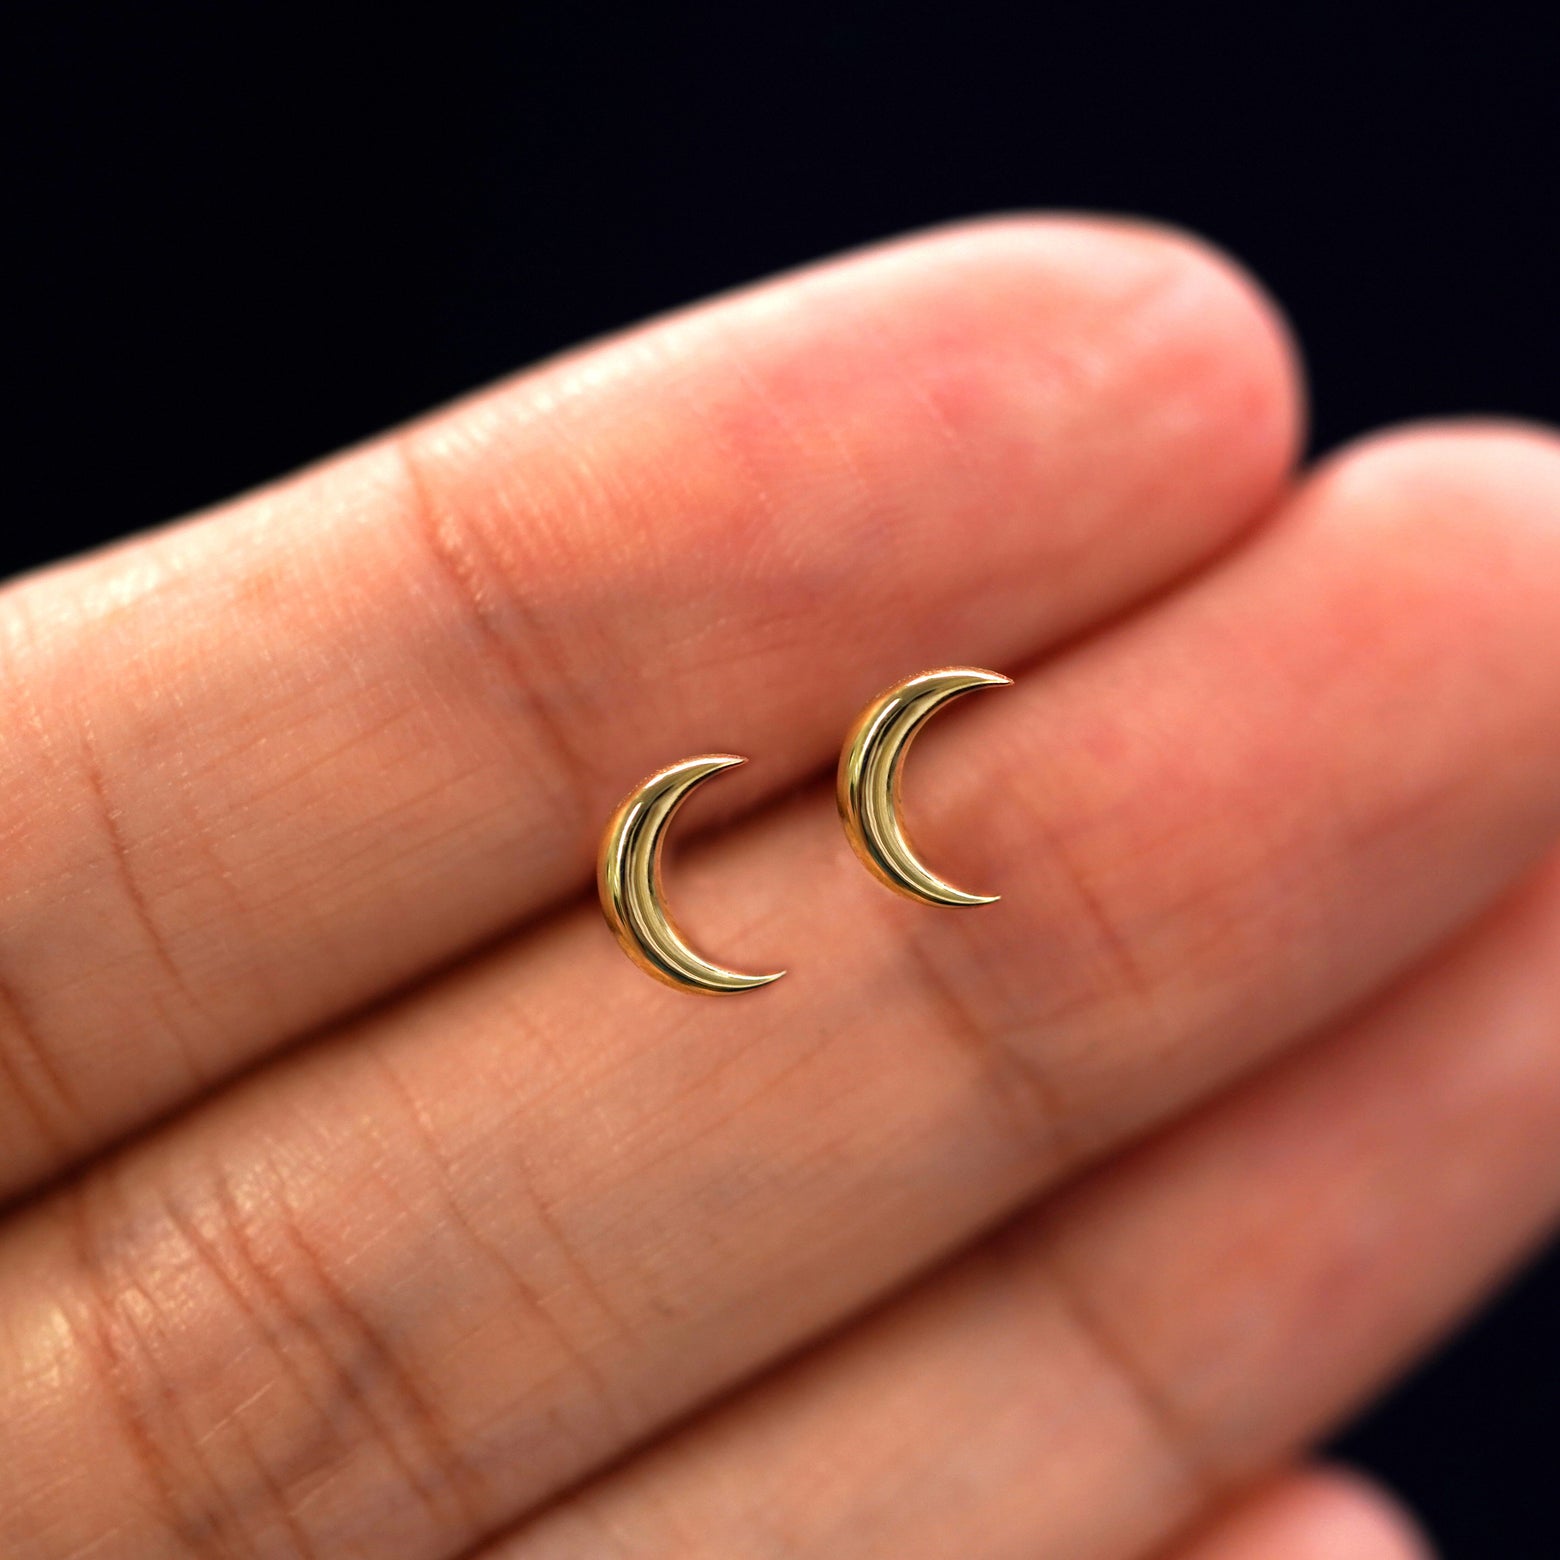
<point>262,767</point>
<point>545,1206</point>
<point>1319,1514</point>
<point>1108,1371</point>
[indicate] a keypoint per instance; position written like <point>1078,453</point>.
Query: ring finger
<point>1112,1368</point>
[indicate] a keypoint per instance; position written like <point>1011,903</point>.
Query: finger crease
<point>193,1527</point>
<point>207,1250</point>
<point>528,1293</point>
<point>1132,975</point>
<point>420,1414</point>
<point>135,895</point>
<point>1176,1435</point>
<point>37,1082</point>
<point>1024,1088</point>
<point>449,547</point>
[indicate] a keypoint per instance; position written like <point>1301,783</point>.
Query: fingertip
<point>1470,506</point>
<point>1508,455</point>
<point>1234,337</point>
<point>1346,1512</point>
<point>1322,1513</point>
<point>1084,341</point>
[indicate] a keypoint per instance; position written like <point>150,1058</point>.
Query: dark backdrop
<point>246,239</point>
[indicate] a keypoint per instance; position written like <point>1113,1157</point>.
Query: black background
<point>246,238</point>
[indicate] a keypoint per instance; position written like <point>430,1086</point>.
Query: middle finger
<point>400,1288</point>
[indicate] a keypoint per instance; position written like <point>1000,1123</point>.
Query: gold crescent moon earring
<point>867,783</point>
<point>628,877</point>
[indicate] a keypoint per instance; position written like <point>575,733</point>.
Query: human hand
<point>366,1201</point>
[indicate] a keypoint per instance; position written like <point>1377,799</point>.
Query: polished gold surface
<point>867,786</point>
<point>628,875</point>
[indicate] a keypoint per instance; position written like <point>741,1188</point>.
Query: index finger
<point>262,767</point>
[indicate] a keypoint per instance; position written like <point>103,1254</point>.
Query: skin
<point>1319,1514</point>
<point>363,1200</point>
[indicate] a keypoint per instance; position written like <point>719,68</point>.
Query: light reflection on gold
<point>628,877</point>
<point>867,784</point>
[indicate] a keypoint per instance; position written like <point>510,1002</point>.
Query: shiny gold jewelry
<point>628,876</point>
<point>867,784</point>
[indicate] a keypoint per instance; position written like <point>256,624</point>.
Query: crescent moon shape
<point>867,786</point>
<point>628,876</point>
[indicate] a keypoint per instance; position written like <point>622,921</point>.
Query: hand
<point>366,1201</point>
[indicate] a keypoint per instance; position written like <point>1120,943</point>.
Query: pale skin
<point>363,1200</point>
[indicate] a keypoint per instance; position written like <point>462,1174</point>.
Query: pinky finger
<point>1313,1514</point>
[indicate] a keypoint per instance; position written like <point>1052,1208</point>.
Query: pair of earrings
<point>867,790</point>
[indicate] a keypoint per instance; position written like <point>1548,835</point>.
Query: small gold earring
<point>867,782</point>
<point>628,878</point>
